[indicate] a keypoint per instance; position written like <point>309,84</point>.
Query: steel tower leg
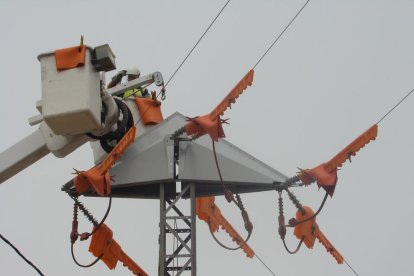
<point>177,234</point>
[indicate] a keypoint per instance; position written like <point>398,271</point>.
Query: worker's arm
<point>117,78</point>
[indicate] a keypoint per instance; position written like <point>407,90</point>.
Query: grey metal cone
<point>150,161</point>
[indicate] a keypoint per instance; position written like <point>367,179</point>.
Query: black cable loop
<point>238,203</point>
<point>225,188</point>
<point>104,217</point>
<point>122,127</point>
<point>244,242</point>
<point>217,165</point>
<point>297,248</point>
<point>219,173</point>
<point>81,265</point>
<point>97,226</point>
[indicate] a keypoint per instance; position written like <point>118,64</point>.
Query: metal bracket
<point>144,80</point>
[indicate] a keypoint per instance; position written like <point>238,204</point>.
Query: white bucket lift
<point>71,100</point>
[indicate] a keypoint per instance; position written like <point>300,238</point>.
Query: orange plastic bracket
<point>103,245</point>
<point>326,180</point>
<point>118,150</point>
<point>309,231</point>
<point>247,80</point>
<point>325,174</point>
<point>150,110</point>
<point>93,179</point>
<point>305,230</point>
<point>211,123</point>
<point>202,125</point>
<point>69,58</point>
<point>98,178</point>
<point>352,149</point>
<point>208,211</point>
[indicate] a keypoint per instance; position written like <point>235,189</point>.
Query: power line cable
<point>182,63</point>
<point>211,24</point>
<point>268,268</point>
<point>395,106</point>
<point>21,255</point>
<point>280,35</point>
<point>353,270</point>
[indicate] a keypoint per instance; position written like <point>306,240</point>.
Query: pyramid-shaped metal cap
<point>149,162</point>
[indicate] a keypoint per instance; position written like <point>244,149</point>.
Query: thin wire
<point>395,106</point>
<point>205,32</point>
<point>104,217</point>
<point>268,268</point>
<point>242,243</point>
<point>287,26</point>
<point>82,265</point>
<point>353,270</point>
<point>211,24</point>
<point>297,247</point>
<point>21,255</point>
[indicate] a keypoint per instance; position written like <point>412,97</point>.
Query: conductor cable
<point>280,35</point>
<point>21,255</point>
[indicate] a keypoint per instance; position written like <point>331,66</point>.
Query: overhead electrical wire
<point>254,67</point>
<point>395,106</point>
<point>205,32</point>
<point>280,35</point>
<point>379,121</point>
<point>188,55</point>
<point>353,270</point>
<point>21,255</point>
<point>268,268</point>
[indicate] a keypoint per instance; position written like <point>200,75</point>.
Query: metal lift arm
<point>42,141</point>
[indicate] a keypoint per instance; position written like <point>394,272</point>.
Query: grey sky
<point>337,70</point>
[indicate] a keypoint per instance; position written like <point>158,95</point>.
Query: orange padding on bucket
<point>150,110</point>
<point>69,58</point>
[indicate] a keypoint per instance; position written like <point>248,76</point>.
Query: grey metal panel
<point>150,161</point>
<point>150,158</point>
<point>144,166</point>
<point>197,163</point>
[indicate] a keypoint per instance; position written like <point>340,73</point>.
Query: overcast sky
<point>335,72</point>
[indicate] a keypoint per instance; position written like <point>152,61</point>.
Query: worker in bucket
<point>131,73</point>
